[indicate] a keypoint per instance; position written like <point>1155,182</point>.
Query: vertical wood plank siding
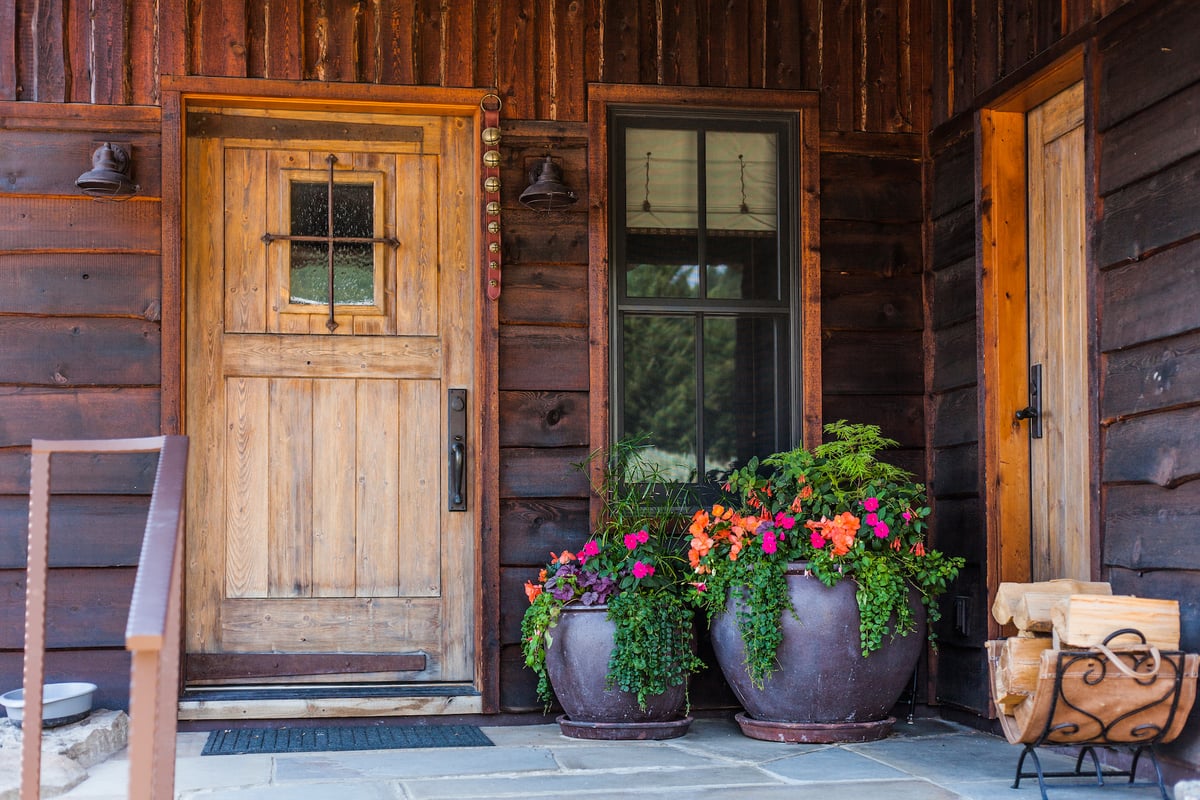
<point>541,54</point>
<point>1145,84</point>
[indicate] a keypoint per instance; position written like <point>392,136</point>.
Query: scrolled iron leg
<point>1088,750</point>
<point>1037,764</point>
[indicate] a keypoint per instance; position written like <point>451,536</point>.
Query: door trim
<point>1002,267</point>
<point>178,94</point>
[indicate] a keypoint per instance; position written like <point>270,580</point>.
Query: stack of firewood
<point>1067,614</point>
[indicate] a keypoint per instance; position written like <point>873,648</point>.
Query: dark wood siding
<point>1146,254</point>
<point>1144,85</point>
<point>80,323</point>
<point>953,381</point>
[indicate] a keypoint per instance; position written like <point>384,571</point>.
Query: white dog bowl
<point>61,703</point>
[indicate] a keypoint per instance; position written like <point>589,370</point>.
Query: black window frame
<point>789,381</point>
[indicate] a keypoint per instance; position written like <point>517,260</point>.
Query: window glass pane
<point>658,387</point>
<point>741,178</point>
<point>743,267</point>
<point>353,264</point>
<point>661,265</point>
<point>745,391</point>
<point>661,176</point>
<point>353,274</point>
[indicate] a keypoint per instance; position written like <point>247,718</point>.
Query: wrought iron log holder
<point>1133,699</point>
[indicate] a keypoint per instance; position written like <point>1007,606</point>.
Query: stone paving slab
<point>441,762</point>
<point>599,758</point>
<point>637,782</point>
<point>931,760</point>
<point>945,758</point>
<point>822,765</point>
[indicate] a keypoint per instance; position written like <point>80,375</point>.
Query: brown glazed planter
<point>824,690</point>
<point>577,662</point>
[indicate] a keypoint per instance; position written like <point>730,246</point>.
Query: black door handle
<point>1033,411</point>
<point>456,464</point>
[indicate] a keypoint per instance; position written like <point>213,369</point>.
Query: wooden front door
<point>1059,389</point>
<point>321,541</point>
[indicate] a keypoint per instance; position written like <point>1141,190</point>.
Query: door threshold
<point>307,702</point>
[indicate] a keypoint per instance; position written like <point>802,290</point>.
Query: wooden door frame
<point>1002,269</point>
<point>178,93</point>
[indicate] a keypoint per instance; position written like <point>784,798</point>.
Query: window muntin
<point>705,317</point>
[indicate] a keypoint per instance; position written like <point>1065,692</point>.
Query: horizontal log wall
<point>1147,251</point>
<point>80,323</point>
<point>89,358</point>
<point>1145,90</point>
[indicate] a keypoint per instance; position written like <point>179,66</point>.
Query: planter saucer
<point>623,731</point>
<point>814,732</point>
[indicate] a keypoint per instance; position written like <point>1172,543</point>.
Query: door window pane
<point>659,387</point>
<point>353,263</point>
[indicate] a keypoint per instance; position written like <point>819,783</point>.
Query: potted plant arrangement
<point>609,629</point>
<point>818,587</point>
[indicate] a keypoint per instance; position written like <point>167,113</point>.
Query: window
<point>705,295</point>
<point>354,262</point>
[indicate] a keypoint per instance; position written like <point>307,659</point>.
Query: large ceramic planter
<point>823,690</point>
<point>577,662</point>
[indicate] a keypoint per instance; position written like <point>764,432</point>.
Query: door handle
<point>1033,411</point>
<point>456,464</point>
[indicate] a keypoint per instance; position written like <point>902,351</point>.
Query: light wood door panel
<point>1059,461</point>
<point>317,513</point>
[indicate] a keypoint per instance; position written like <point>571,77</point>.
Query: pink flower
<point>871,504</point>
<point>630,541</point>
<point>641,570</point>
<point>872,519</point>
<point>642,536</point>
<point>907,516</point>
<point>818,541</point>
<point>768,543</point>
<point>784,521</point>
<point>700,587</point>
<point>882,530</point>
<point>590,549</point>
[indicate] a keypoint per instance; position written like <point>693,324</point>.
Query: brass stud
<point>491,136</point>
<point>492,184</point>
<point>491,158</point>
<point>494,247</point>
<point>493,209</point>
<point>493,265</point>
<point>493,227</point>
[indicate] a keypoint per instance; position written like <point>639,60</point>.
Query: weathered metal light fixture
<point>546,190</point>
<point>109,175</point>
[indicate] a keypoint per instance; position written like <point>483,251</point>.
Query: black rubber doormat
<point>332,738</point>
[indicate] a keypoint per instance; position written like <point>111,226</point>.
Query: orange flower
<point>566,557</point>
<point>919,549</point>
<point>532,590</point>
<point>541,576</point>
<point>896,544</point>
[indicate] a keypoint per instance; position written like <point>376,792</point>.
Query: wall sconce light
<point>546,190</point>
<point>109,175</point>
